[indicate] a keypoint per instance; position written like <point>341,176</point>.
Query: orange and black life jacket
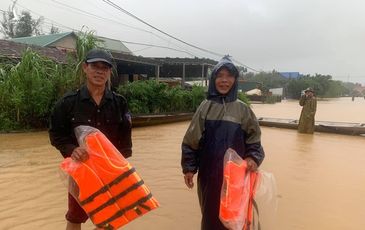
<point>110,190</point>
<point>236,205</point>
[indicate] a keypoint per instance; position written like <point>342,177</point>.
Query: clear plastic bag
<point>106,186</point>
<point>266,202</point>
<point>248,199</point>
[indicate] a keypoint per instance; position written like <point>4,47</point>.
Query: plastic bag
<point>235,191</point>
<point>106,186</point>
<point>266,202</point>
<point>248,199</point>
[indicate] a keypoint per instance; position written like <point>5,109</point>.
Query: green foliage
<point>27,90</point>
<point>243,97</point>
<point>150,97</point>
<point>269,80</point>
<point>323,85</point>
<point>85,42</point>
<point>30,87</point>
<point>272,99</point>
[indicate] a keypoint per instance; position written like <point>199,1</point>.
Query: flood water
<point>320,177</point>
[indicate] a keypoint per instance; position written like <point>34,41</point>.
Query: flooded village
<point>167,112</point>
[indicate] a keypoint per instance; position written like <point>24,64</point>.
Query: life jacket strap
<point>114,199</point>
<point>105,188</point>
<point>124,210</point>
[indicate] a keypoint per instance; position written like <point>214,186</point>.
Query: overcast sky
<point>306,36</point>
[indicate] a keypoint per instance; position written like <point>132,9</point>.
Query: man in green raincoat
<point>309,103</point>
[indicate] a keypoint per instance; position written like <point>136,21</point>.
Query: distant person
<point>222,121</point>
<point>309,103</point>
<point>353,98</point>
<point>93,105</point>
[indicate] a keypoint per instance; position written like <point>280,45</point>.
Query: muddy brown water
<point>320,177</point>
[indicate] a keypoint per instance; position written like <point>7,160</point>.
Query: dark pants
<point>75,213</point>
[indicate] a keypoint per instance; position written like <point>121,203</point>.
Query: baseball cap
<point>96,55</point>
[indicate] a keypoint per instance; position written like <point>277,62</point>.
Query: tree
<point>13,26</point>
<point>54,30</point>
<point>8,24</point>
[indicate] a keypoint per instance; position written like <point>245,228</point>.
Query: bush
<point>28,91</point>
<point>151,97</point>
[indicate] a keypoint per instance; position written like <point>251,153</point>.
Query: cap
<point>309,89</point>
<point>96,55</point>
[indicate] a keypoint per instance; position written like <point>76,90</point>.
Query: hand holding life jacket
<point>237,193</point>
<point>109,189</point>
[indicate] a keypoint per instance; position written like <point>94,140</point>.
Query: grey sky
<point>308,36</point>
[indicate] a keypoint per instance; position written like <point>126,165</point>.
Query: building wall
<point>68,43</point>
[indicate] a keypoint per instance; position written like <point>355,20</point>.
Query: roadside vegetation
<point>29,88</point>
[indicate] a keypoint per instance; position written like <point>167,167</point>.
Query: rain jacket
<point>220,122</point>
<point>306,120</point>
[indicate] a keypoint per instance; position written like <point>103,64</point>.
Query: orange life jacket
<point>110,190</point>
<point>236,205</point>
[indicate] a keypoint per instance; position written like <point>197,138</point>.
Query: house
<point>129,67</point>
<point>67,41</point>
<point>63,41</point>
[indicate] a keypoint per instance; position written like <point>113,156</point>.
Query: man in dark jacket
<point>221,122</point>
<point>93,105</point>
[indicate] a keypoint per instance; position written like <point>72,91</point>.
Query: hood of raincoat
<point>213,93</point>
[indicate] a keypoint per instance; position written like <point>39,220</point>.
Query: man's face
<point>224,81</point>
<point>309,94</point>
<point>97,73</point>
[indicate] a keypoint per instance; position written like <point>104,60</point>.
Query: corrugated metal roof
<point>43,40</point>
<point>13,49</point>
<point>114,45</point>
<point>47,40</point>
<point>187,61</point>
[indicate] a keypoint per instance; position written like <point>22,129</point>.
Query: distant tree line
<point>323,85</point>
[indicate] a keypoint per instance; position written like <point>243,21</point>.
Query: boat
<point>157,119</point>
<point>348,128</point>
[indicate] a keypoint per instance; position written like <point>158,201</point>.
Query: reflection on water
<point>320,177</point>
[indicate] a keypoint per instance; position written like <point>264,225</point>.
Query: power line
<point>117,22</point>
<point>153,27</point>
<point>143,30</point>
<point>56,23</point>
<point>98,17</point>
<point>167,34</point>
<point>146,48</point>
<point>164,47</point>
<point>245,65</point>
